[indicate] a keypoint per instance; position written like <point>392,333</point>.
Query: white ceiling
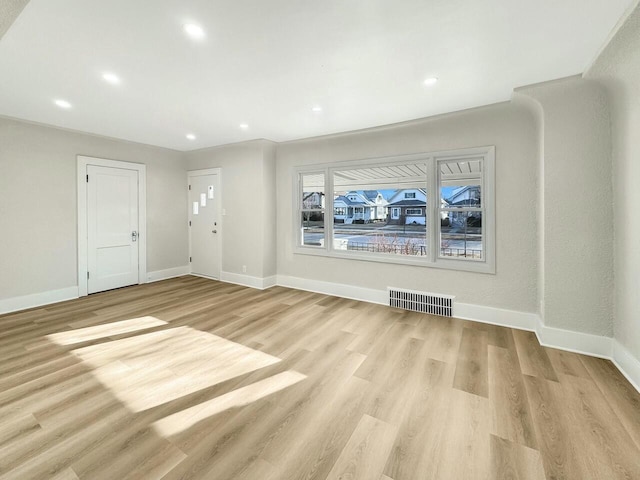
<point>266,63</point>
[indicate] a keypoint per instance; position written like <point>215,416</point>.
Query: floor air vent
<point>423,302</point>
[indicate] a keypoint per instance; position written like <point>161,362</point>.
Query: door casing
<point>83,162</point>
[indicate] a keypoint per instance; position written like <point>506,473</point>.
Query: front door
<point>112,227</point>
<point>204,221</point>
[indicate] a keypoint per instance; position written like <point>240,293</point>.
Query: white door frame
<point>83,252</point>
<point>218,203</point>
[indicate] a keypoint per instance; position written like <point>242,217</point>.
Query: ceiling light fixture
<point>244,126</point>
<point>193,30</point>
<point>431,81</point>
<point>62,103</point>
<point>316,109</point>
<point>111,78</point>
<point>190,136</point>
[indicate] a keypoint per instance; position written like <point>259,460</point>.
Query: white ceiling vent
<point>422,302</point>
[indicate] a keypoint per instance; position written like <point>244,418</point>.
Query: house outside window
<point>311,213</point>
<point>434,210</point>
<point>339,211</point>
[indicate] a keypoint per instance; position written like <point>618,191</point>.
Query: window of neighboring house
<point>312,204</point>
<point>455,230</point>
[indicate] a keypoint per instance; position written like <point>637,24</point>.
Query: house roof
<point>347,201</point>
<point>409,203</point>
<point>370,194</point>
<point>458,192</point>
<point>399,192</point>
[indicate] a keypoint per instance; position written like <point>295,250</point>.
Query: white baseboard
<point>247,280</point>
<point>167,273</point>
<point>572,341</point>
<point>24,302</point>
<point>578,342</point>
<point>496,316</point>
<point>336,289</point>
<point>627,364</point>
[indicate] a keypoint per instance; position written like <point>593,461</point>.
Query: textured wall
<point>577,204</point>
<point>510,129</point>
<point>618,69</point>
<point>9,11</point>
<point>247,192</point>
<point>38,207</point>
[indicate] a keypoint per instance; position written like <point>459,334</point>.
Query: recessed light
<point>111,78</point>
<point>431,81</point>
<point>62,103</point>
<point>193,30</point>
<point>191,136</point>
<point>244,126</point>
<point>317,109</point>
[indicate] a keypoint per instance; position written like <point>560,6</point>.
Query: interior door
<point>204,221</point>
<point>112,228</point>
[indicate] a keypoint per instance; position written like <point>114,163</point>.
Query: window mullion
<point>433,207</point>
<point>329,210</point>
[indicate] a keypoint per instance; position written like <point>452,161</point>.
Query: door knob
<point>214,231</point>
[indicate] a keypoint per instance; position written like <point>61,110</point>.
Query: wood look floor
<point>195,379</point>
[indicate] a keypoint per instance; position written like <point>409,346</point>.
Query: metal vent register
<point>422,302</point>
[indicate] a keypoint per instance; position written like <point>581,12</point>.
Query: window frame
<point>432,257</point>
<point>301,210</point>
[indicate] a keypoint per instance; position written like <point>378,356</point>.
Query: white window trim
<point>432,258</point>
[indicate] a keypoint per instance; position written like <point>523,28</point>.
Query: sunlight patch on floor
<point>185,419</point>
<point>151,369</point>
<point>81,335</point>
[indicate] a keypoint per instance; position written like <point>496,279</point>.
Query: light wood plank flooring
<point>195,379</point>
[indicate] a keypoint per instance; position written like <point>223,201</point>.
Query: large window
<point>430,209</point>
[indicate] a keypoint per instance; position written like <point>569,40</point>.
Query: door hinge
<point>87,275</point>
<point>189,259</point>
<point>87,178</point>
<point>189,187</point>
<point>189,222</point>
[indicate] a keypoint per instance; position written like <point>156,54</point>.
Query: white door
<point>204,221</point>
<point>112,228</point>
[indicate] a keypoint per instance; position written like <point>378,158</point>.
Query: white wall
<point>269,210</point>
<point>506,126</point>
<point>247,197</point>
<point>618,69</point>
<point>576,201</point>
<point>38,239</point>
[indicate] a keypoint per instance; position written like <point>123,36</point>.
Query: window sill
<point>473,266</point>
